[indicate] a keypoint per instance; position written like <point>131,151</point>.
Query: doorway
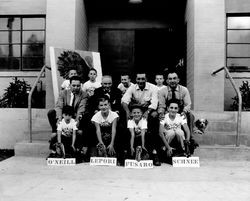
<point>148,50</point>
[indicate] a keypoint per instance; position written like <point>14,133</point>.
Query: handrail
<point>29,102</point>
<point>239,103</point>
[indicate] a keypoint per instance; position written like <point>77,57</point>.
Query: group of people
<point>138,120</point>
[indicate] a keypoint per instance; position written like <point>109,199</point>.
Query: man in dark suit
<point>113,93</point>
<point>74,97</point>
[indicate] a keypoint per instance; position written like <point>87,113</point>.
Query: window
<point>22,43</point>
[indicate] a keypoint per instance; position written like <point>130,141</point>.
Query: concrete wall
<point>20,7</point>
<point>189,20</point>
<point>209,53</point>
<point>64,30</point>
<point>14,125</point>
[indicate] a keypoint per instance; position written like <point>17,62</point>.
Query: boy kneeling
<point>171,127</point>
<point>105,123</point>
<point>64,143</point>
<point>138,128</point>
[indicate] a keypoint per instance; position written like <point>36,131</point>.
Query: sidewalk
<point>30,179</point>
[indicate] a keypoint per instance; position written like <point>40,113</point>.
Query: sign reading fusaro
<point>186,162</point>
<point>143,164</point>
<point>103,161</point>
<point>61,161</point>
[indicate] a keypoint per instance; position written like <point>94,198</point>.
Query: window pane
<point>238,62</point>
<point>10,37</point>
<point>34,49</point>
<point>33,23</point>
<point>9,63</point>
<point>33,36</point>
<point>238,36</point>
<point>238,22</point>
<point>30,63</point>
<point>10,50</point>
<point>10,24</point>
<point>235,50</point>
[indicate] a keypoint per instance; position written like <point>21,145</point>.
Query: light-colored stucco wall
<point>189,20</point>
<point>64,30</point>
<point>208,29</point>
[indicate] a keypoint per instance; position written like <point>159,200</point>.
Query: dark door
<point>149,50</point>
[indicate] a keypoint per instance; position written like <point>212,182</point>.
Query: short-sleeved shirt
<point>173,124</point>
<point>67,128</point>
<point>142,124</point>
<point>123,88</point>
<point>105,124</point>
<point>146,97</point>
<point>90,84</point>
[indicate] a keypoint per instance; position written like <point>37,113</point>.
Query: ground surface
<point>24,179</point>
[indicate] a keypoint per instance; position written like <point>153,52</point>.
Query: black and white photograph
<point>124,100</point>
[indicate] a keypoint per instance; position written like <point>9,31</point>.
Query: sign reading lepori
<point>186,162</point>
<point>143,164</point>
<point>103,161</point>
<point>61,161</point>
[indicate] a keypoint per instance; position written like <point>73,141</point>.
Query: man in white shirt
<point>145,94</point>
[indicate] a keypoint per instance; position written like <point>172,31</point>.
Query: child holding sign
<point>137,127</point>
<point>105,122</point>
<point>171,127</point>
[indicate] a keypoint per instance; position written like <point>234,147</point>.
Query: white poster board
<point>92,59</point>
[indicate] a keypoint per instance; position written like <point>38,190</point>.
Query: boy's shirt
<point>142,124</point>
<point>67,129</point>
<point>161,87</point>
<point>105,124</point>
<point>173,124</point>
<point>90,84</point>
<point>123,88</point>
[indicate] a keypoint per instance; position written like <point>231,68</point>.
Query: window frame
<point>21,43</point>
<point>239,68</point>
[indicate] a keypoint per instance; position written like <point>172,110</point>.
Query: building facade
<point>205,34</point>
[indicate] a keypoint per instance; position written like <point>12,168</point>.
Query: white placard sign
<point>186,162</point>
<point>143,164</point>
<point>61,161</point>
<point>103,161</point>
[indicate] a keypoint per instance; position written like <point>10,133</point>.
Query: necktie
<point>173,93</point>
<point>73,102</point>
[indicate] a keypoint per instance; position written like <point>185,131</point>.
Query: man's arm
<point>111,145</point>
<point>82,107</point>
<point>154,97</point>
<point>187,100</point>
<point>98,133</point>
<point>132,138</point>
<point>187,131</point>
<point>60,104</point>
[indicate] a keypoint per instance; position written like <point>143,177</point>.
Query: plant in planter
<point>245,93</point>
<point>72,60</point>
<point>16,94</point>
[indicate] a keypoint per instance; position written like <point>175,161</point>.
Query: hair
<point>68,110</point>
<point>103,98</point>
<point>173,101</point>
<point>74,78</point>
<point>171,71</point>
<point>125,74</point>
<point>136,106</point>
<point>93,69</point>
<point>159,73</point>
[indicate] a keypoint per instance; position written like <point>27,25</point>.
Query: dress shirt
<point>148,94</point>
<point>181,93</point>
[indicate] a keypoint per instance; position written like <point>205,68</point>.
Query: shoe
<point>156,161</point>
<point>138,152</point>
